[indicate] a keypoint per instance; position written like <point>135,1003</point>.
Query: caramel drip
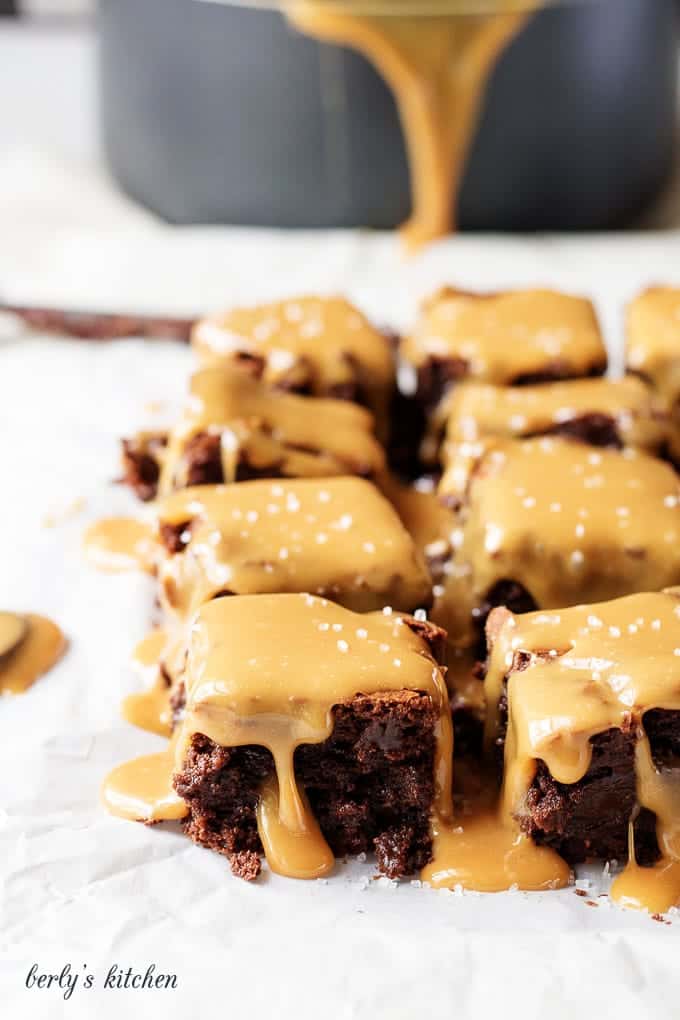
<point>484,852</point>
<point>584,671</point>
<point>477,412</point>
<point>150,709</point>
<point>30,645</point>
<point>298,850</point>
<point>500,338</point>
<point>141,790</point>
<point>338,537</point>
<point>437,68</point>
<point>569,523</point>
<point>286,433</point>
<point>321,345</point>
<point>655,889</point>
<point>116,544</point>
<point>653,339</point>
<point>247,682</point>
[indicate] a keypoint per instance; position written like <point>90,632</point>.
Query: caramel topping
<point>141,790</point>
<point>584,671</point>
<point>13,630</point>
<point>504,337</point>
<point>336,537</point>
<point>569,523</point>
<point>437,68</point>
<point>30,645</point>
<point>653,340</point>
<point>267,670</point>
<point>121,543</point>
<point>271,430</point>
<point>322,345</point>
<point>477,411</point>
<point>486,853</point>
<point>150,709</point>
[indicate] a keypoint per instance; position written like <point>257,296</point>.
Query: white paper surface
<point>80,887</point>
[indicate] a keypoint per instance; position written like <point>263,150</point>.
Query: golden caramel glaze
<point>505,337</point>
<point>653,339</point>
<point>321,345</point>
<point>270,430</point>
<point>30,645</point>
<point>572,674</point>
<point>337,537</point>
<point>116,544</point>
<point>437,68</point>
<point>569,523</point>
<point>478,411</point>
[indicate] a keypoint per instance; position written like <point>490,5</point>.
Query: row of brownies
<point>353,661</point>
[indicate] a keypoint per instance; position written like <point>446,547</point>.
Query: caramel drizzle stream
<point>437,69</point>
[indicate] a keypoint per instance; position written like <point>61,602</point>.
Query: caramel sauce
<point>291,434</point>
<point>484,852</point>
<point>587,670</point>
<point>141,790</point>
<point>150,709</point>
<point>437,68</point>
<point>117,544</point>
<point>293,847</point>
<point>30,645</point>
<point>321,345</point>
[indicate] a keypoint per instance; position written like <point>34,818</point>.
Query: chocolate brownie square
<point>615,413</point>
<point>312,732</point>
<point>585,703</point>
<point>547,523</point>
<point>235,428</point>
<point>322,346</point>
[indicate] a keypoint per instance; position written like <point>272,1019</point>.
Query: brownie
<point>592,694</point>
<point>614,413</point>
<point>371,681</point>
<point>236,428</point>
<point>336,537</point>
<point>512,338</point>
<point>549,522</point>
<point>653,340</point>
<point>321,346</point>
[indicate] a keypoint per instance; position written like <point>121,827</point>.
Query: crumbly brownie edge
<point>370,785</point>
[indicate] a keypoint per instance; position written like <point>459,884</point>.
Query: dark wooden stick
<point>100,325</point>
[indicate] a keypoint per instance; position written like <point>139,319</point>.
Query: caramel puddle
<point>655,889</point>
<point>30,645</point>
<point>150,709</point>
<point>482,852</point>
<point>142,791</point>
<point>117,544</point>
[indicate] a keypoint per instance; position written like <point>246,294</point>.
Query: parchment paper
<point>81,888</point>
